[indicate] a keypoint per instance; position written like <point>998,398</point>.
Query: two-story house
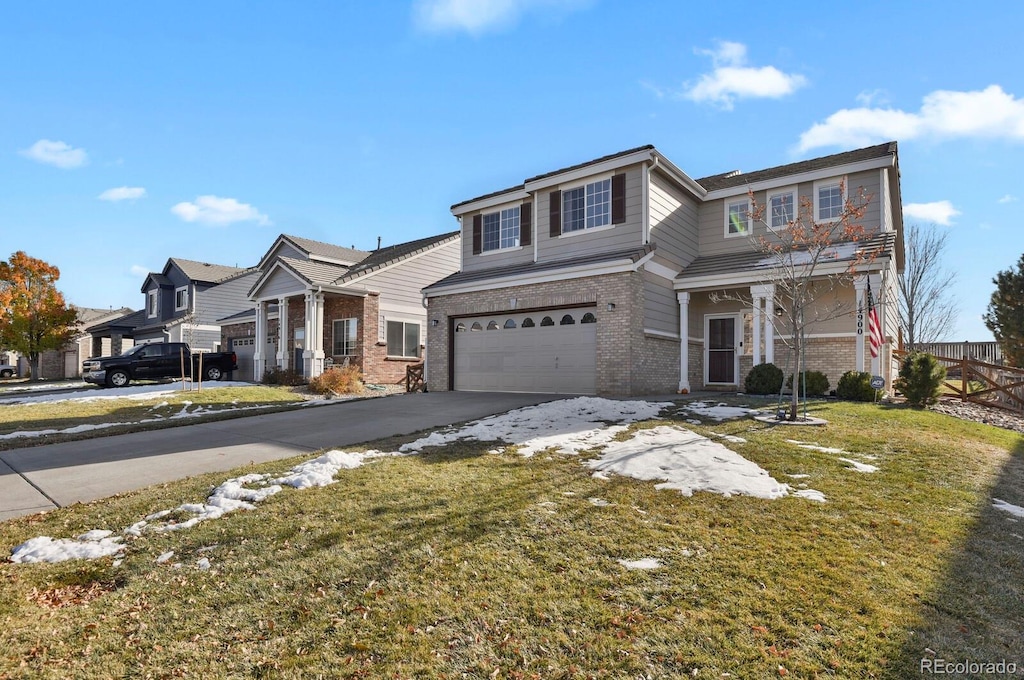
<point>314,305</point>
<point>624,275</point>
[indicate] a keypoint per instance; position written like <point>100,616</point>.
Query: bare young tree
<point>809,259</point>
<point>927,306</point>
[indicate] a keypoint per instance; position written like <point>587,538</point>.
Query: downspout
<point>427,349</point>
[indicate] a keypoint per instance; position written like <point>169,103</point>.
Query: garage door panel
<point>512,358</point>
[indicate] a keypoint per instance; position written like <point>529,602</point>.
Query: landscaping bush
<point>855,386</point>
<point>763,379</point>
<point>817,383</point>
<point>921,376</point>
<point>278,376</point>
<point>339,380</point>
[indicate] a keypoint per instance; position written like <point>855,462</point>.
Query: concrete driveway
<point>46,477</point>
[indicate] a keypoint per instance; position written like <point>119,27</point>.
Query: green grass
<point>460,563</point>
<point>134,414</point>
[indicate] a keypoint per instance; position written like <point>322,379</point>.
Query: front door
<point>722,349</point>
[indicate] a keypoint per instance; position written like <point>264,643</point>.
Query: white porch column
<point>283,341</point>
<point>876,289</point>
<point>260,356</point>
<point>758,305</point>
<point>769,323</point>
<point>860,284</point>
<point>317,342</point>
<point>684,342</point>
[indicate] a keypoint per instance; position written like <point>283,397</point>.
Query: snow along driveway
<point>679,458</point>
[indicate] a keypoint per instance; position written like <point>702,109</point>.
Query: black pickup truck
<point>156,361</point>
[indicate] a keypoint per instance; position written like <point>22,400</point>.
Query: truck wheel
<point>117,379</point>
<point>213,373</point>
<point>6,373</point>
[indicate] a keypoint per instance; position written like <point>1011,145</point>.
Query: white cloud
<point>478,16</point>
<point>138,270</point>
<point>939,212</point>
<point>1008,199</point>
<point>58,154</point>
<point>732,79</point>
<point>944,114</point>
<point>216,211</point>
<point>122,194</point>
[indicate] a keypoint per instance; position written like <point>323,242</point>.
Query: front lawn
<point>473,560</point>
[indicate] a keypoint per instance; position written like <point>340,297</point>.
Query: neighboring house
<point>66,362</point>
<point>182,303</point>
<point>339,305</point>
<point>615,277</point>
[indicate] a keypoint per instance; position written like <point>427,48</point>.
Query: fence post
<point>963,373</point>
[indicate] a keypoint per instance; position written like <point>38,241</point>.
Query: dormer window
<point>180,298</point>
<point>737,218</point>
<point>587,206</point>
<point>829,197</point>
<point>502,229</point>
<point>781,208</point>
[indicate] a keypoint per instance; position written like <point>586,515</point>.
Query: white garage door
<point>245,352</point>
<point>552,351</point>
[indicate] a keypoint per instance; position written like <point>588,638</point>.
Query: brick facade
<point>628,361</point>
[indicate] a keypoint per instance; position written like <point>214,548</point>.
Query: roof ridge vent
<point>734,173</point>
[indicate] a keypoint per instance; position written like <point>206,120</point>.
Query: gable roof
<point>319,249</point>
<point>727,180</point>
<point>388,255</point>
<point>204,272</point>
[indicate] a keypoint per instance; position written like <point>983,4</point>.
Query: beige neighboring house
<point>614,277</point>
<point>67,361</point>
<point>339,305</point>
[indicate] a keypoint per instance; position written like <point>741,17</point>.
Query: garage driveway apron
<point>45,477</point>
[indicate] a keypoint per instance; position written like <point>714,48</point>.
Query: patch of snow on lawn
<point>858,466</point>
<point>810,494</point>
<point>135,392</point>
<point>569,426</point>
<point>645,563</point>
<point>718,411</point>
<point>1015,510</point>
<point>731,438</point>
<point>687,462</point>
<point>320,471</point>
<point>854,465</point>
<point>90,545</point>
<point>815,447</point>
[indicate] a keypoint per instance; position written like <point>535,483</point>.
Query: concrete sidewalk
<point>45,477</point>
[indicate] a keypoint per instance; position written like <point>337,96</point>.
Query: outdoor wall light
<point>611,306</point>
<point>778,311</point>
<point>434,322</point>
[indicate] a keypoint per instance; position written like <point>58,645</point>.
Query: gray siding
<point>712,214</point>
<point>673,221</point>
<point>661,308</point>
<point>590,241</point>
<point>400,284</point>
<point>280,283</point>
<point>493,258</point>
<point>225,299</point>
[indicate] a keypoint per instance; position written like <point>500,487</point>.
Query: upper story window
<point>587,206</point>
<point>502,229</point>
<point>829,197</point>
<point>781,208</point>
<point>737,218</point>
<point>180,298</point>
<point>151,299</point>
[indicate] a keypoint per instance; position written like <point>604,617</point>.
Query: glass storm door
<point>722,350</point>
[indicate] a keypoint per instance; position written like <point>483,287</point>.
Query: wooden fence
<point>989,352</point>
<point>982,382</point>
<point>414,378</point>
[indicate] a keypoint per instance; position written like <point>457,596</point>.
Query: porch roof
<point>752,265</point>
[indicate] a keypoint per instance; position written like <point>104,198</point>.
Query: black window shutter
<point>618,199</point>
<point>478,228</point>
<point>526,224</point>
<point>555,213</point>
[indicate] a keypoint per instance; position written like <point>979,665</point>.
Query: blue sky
<point>130,133</point>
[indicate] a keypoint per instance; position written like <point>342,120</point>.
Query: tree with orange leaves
<point>33,315</point>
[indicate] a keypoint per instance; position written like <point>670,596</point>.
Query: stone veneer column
<point>684,342</point>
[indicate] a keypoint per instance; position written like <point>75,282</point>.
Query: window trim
<point>419,339</point>
<point>583,184</point>
<point>729,204</point>
<point>499,209</point>
<point>822,183</point>
<point>152,303</point>
<point>334,335</point>
<point>772,193</point>
<point>184,306</point>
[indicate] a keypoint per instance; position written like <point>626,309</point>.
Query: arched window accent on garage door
<point>528,323</point>
<point>546,321</point>
<point>492,326</point>
<point>567,320</point>
<point>461,328</point>
<point>588,318</point>
<point>509,323</point>
<point>476,327</point>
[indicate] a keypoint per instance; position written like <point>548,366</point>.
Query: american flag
<point>874,327</point>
